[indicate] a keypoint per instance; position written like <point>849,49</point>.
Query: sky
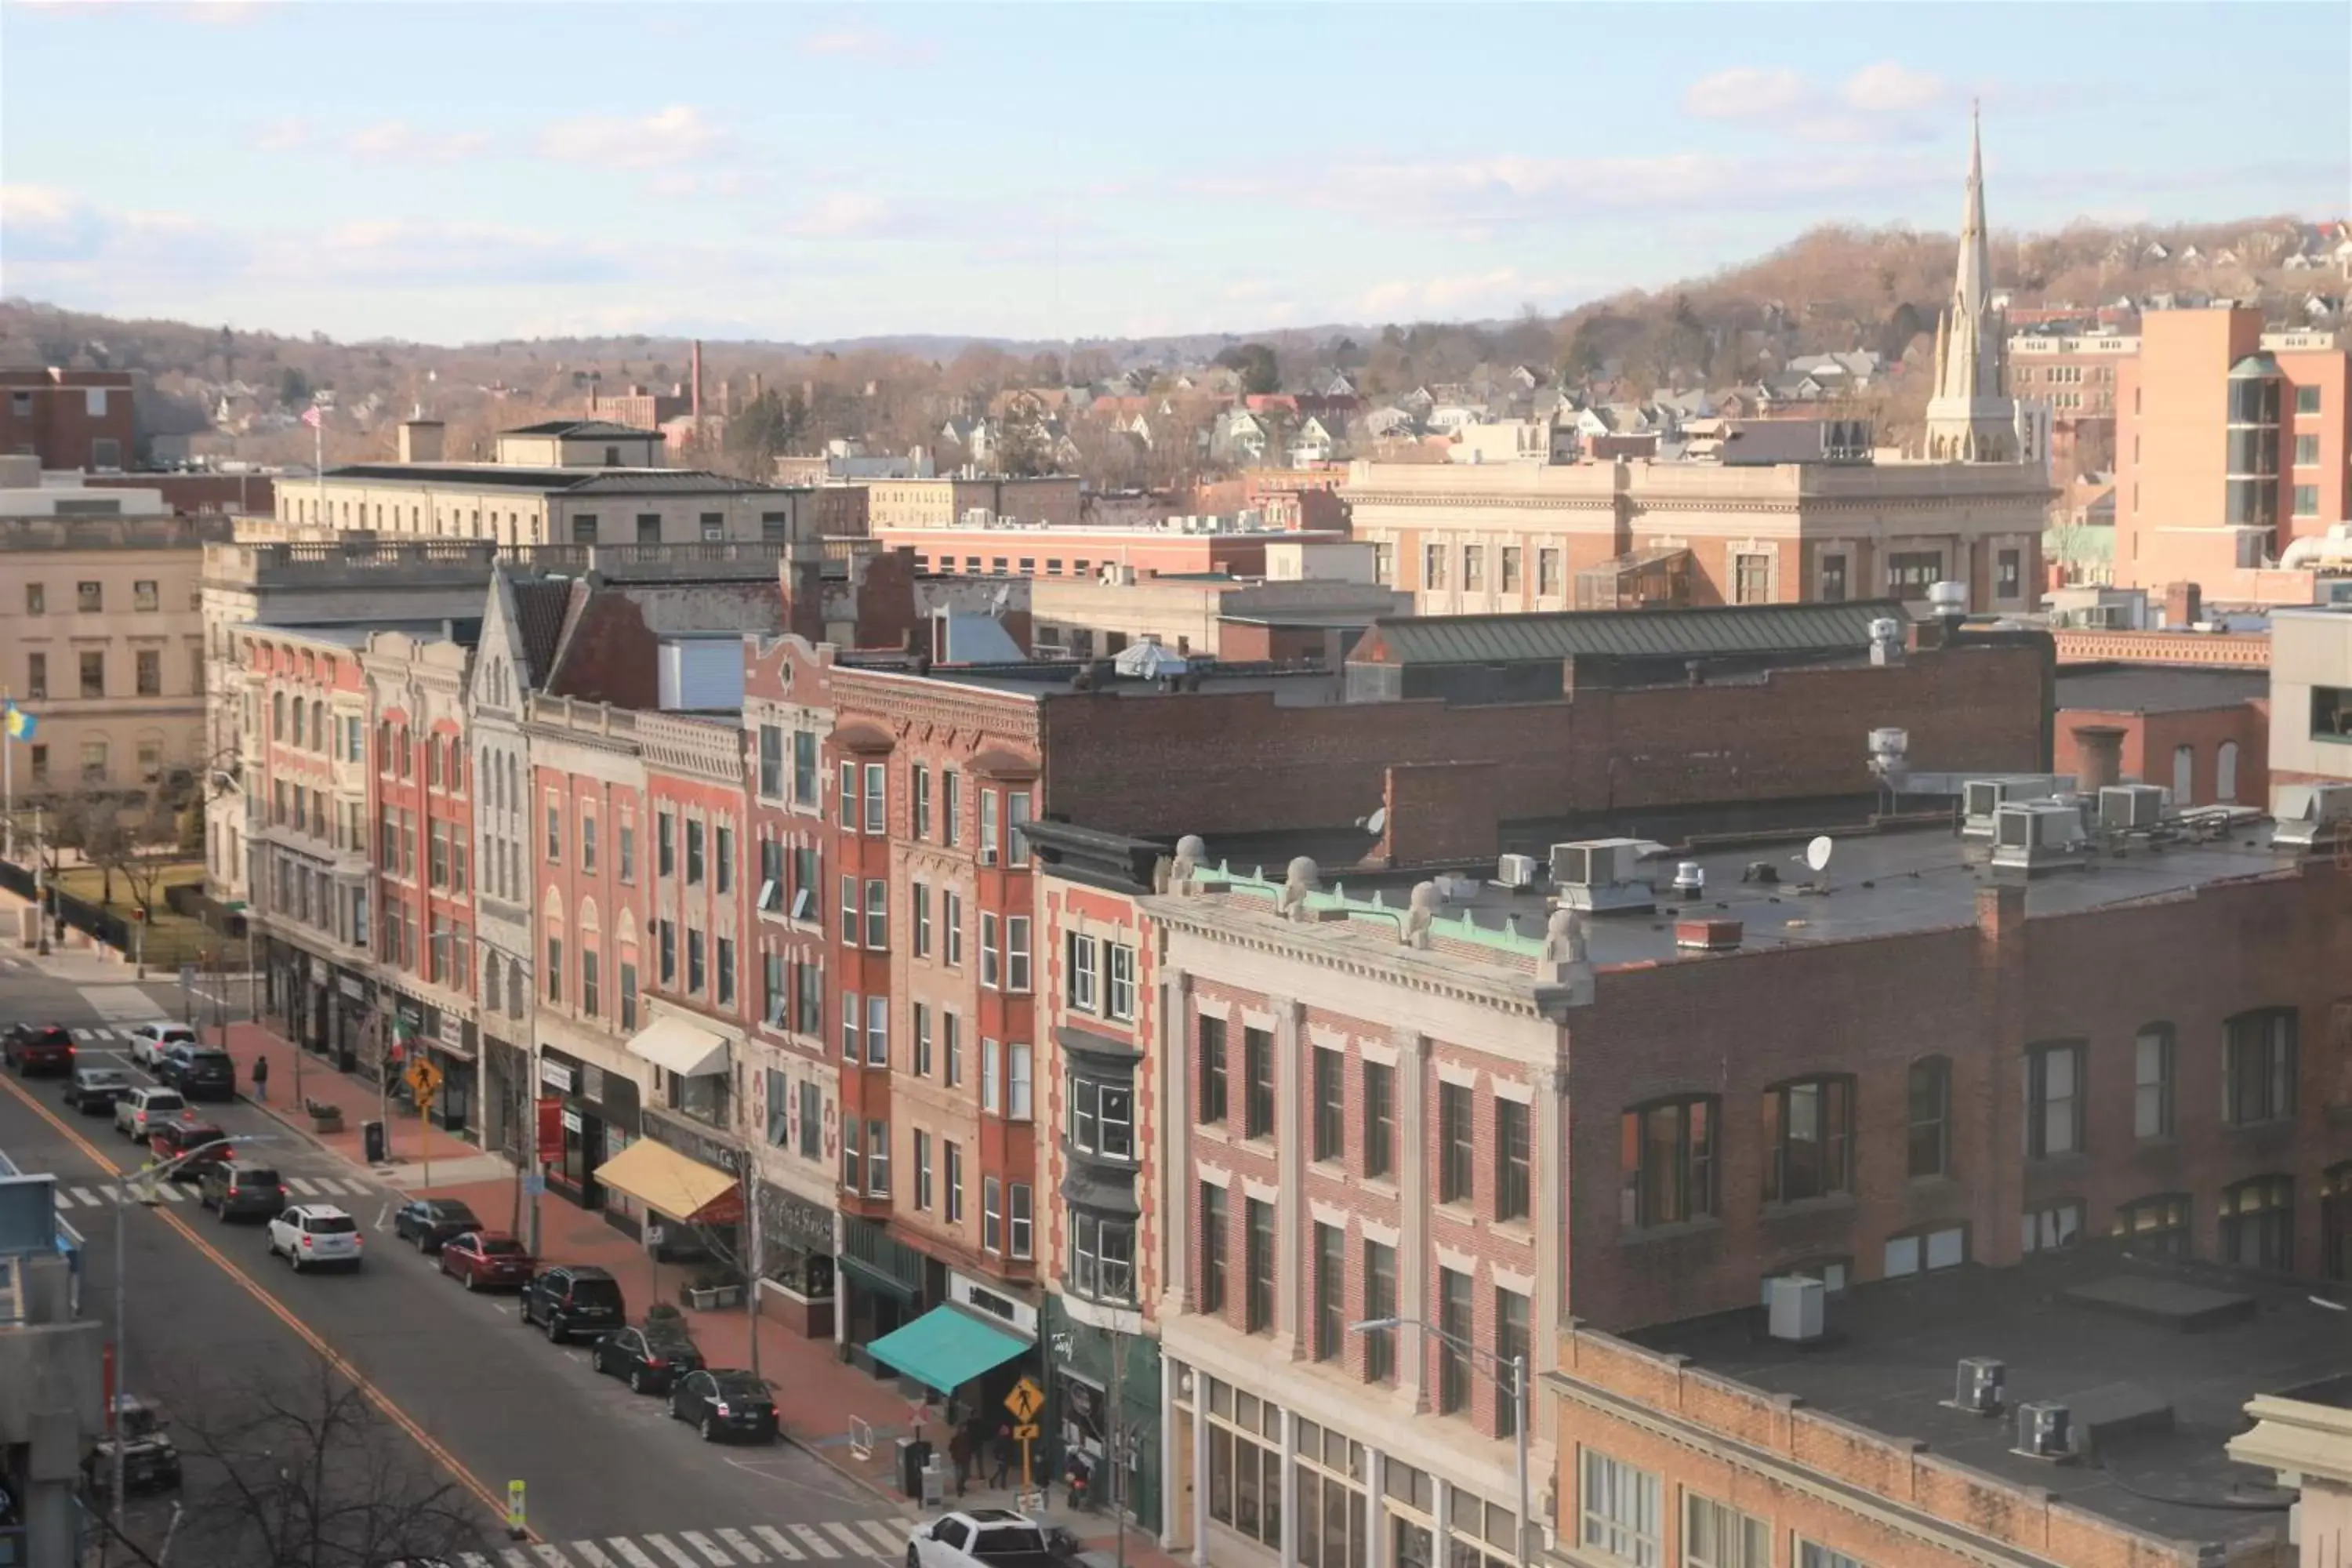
<point>453,173</point>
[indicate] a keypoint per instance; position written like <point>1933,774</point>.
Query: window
<point>1618,1506</point>
<point>2155,1224</point>
<point>1511,1343</point>
<point>1752,579</point>
<point>808,998</point>
<point>1330,1289</point>
<point>694,961</point>
<point>1718,1535</point>
<point>849,910</point>
<point>2055,1226</point>
<point>1808,1139</point>
<point>992,957</point>
<point>1811,1554</point>
<point>1102,1257</point>
<point>1380,1117</point>
<point>554,967</point>
<point>93,674</point>
<point>922,1030</point>
<point>89,598</point>
<point>877,1159</point>
<point>952,805</point>
<point>2152,1082</point>
<point>1212,1069</point>
<point>951,1178</point>
<point>1511,556</point>
<point>1257,1083</point>
<point>723,960</point>
<point>1910,574</point>
<point>36,599</point>
<point>1214,1225</point>
<point>36,675</point>
<point>2259,1081</point>
<point>1474,568</point>
<point>148,671</point>
<point>587,839</point>
<point>628,848</point>
<point>1931,1117</point>
<point>991,1214</point>
<point>1016,952</point>
<point>877,914</point>
<point>951,924</point>
<point>1017,1081</point>
<point>1548,572</point>
<point>1080,974</point>
<point>722,855</point>
<point>922,1170</point>
<point>714,526</point>
<point>771,761</point>
<point>1514,1180</point>
<point>1330,1104</point>
<point>1257,1265</point>
<point>1945,1248</point>
<point>1018,1216</point>
<point>1016,820</point>
<point>693,853</point>
<point>1455,1152</point>
<point>1379,1301</point>
<point>951,1049</point>
<point>665,843</point>
<point>588,980</point>
<point>2307,453</point>
<point>1121,961</point>
<point>2053,1101</point>
<point>2306,400</point>
<point>144,596</point>
<point>875,816</point>
<point>988,828</point>
<point>2306,501</point>
<point>2331,712</point>
<point>991,1081</point>
<point>853,1154</point>
<point>2225,773</point>
<point>877,1030</point>
<point>1453,1320</point>
<point>804,768</point>
<point>811,1120</point>
<point>665,939</point>
<point>1433,566</point>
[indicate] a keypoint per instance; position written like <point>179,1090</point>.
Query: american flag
<point>314,417</point>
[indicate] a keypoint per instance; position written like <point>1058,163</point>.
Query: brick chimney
<point>2184,604</point>
<point>695,406</point>
<point>2098,756</point>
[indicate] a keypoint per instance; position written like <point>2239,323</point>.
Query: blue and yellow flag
<point>20,724</point>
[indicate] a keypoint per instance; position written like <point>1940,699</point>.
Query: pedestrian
<point>261,1078</point>
<point>998,1477</point>
<point>960,1451</point>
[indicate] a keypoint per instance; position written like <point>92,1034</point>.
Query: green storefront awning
<point>947,1347</point>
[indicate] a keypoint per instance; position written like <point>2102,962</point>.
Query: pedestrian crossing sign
<point>1025,1400</point>
<point>424,1079</point>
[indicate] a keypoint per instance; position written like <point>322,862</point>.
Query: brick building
<point>69,418</point>
<point>2204,734</point>
<point>2074,374</point>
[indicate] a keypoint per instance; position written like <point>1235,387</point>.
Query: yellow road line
<point>495,1501</point>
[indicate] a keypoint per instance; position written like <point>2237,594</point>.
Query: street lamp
<point>1516,1367</point>
<point>521,1094</point>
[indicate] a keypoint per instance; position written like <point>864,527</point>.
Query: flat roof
<point>465,629</point>
<point>1631,633</point>
<point>574,482</point>
<point>2094,1327</point>
<point>2156,689</point>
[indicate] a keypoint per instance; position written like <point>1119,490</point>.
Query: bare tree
<point>140,850</point>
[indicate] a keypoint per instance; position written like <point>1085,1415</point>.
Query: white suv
<point>978,1538</point>
<point>150,1041</point>
<point>315,1233</point>
<point>136,1113</point>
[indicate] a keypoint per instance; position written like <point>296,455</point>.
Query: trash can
<point>935,1484</point>
<point>914,1453</point>
<point>372,1140</point>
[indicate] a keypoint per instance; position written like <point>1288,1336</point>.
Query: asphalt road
<point>610,1480</point>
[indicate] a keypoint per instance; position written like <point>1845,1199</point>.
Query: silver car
<point>136,1112</point>
<point>150,1041</point>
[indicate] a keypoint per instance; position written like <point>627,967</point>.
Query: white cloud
<point>842,215</point>
<point>1498,292</point>
<point>865,44</point>
<point>395,140</point>
<point>667,137</point>
<point>1744,93</point>
<point>1889,87</point>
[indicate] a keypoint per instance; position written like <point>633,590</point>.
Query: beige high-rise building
<point>101,633</point>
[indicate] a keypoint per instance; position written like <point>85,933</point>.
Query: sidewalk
<point>816,1392</point>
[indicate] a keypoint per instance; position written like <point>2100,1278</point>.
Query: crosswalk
<point>105,1194</point>
<point>102,1035</point>
<point>864,1540</point>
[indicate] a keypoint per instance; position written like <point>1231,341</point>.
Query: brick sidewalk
<point>408,1136</point>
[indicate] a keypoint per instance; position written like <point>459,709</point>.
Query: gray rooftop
<point>567,481</point>
<point>348,634</point>
<point>2094,1328</point>
<point>2157,689</point>
<point>1630,634</point>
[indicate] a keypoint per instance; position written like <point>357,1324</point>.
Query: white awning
<point>676,1046</point>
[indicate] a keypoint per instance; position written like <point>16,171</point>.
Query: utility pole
<point>41,862</point>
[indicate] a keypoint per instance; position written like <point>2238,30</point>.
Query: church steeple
<point>1970,419</point>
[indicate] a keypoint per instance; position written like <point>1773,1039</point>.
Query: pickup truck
<point>983,1538</point>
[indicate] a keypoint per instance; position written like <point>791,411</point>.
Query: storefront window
<point>1245,1464</point>
<point>1411,1504</point>
<point>1330,1499</point>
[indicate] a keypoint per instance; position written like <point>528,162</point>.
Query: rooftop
<point>569,481</point>
<point>586,430</point>
<point>2143,689</point>
<point>345,635</point>
<point>2094,1328</point>
<point>1640,633</point>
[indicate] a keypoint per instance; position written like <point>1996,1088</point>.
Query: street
<point>216,1325</point>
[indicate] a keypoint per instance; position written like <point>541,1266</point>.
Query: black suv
<point>573,1298</point>
<point>235,1189</point>
<point>199,1072</point>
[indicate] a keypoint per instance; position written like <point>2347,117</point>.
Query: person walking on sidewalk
<point>261,1078</point>
<point>1003,1450</point>
<point>960,1451</point>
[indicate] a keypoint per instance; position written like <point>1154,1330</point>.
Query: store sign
<point>571,1121</point>
<point>452,1031</point>
<point>550,1131</point>
<point>555,1075</point>
<point>963,1287</point>
<point>353,989</point>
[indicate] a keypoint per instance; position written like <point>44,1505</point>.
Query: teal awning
<point>947,1347</point>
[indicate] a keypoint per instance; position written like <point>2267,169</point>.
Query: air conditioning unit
<point>2038,836</point>
<point>1795,1306</point>
<point>2313,817</point>
<point>2044,1430</point>
<point>1516,870</point>
<point>2125,808</point>
<point>1980,798</point>
<point>1600,875</point>
<point>1979,1385</point>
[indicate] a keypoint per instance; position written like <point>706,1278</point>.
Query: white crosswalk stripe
<point>776,1539</point>
<point>742,1546</point>
<point>892,1542</point>
<point>171,1192</point>
<point>513,1558</point>
<point>815,1541</point>
<point>472,1560</point>
<point>856,1546</point>
<point>302,1185</point>
<point>663,1544</point>
<point>588,1552</point>
<point>703,1544</point>
<point>630,1554</point>
<point>554,1556</point>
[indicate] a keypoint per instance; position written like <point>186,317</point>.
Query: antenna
<point>1817,853</point>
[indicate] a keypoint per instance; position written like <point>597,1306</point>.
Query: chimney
<point>2098,757</point>
<point>420,440</point>
<point>2184,606</point>
<point>695,406</point>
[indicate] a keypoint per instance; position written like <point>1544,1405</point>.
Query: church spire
<point>1972,282</point>
<point>1970,419</point>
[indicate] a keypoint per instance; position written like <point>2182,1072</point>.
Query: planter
<point>712,1297</point>
<point>326,1120</point>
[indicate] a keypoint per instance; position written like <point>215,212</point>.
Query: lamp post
<point>1517,1369</point>
<point>524,1101</point>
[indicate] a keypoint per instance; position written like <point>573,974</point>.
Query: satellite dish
<point>1376,823</point>
<point>1817,853</point>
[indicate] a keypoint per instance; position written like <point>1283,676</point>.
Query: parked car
<point>650,1357</point>
<point>486,1257</point>
<point>32,1049</point>
<point>573,1298</point>
<point>151,1460</point>
<point>200,1073</point>
<point>205,1144</point>
<point>149,1042</point>
<point>133,1111</point>
<point>430,1222</point>
<point>727,1404</point>
<point>980,1538</point>
<point>238,1189</point>
<point>315,1233</point>
<point>93,1090</point>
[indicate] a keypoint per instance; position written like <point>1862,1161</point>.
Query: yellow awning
<point>667,1180</point>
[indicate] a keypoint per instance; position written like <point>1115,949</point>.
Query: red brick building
<point>2204,734</point>
<point>67,418</point>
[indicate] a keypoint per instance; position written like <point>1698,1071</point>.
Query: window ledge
<point>1514,1230</point>
<point>1830,1202</point>
<point>1634,1235</point>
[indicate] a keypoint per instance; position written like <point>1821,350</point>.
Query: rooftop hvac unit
<point>1980,798</point>
<point>1979,1385</point>
<point>2125,808</point>
<point>2044,1429</point>
<point>2038,836</point>
<point>2321,818</point>
<point>1795,1310</point>
<point>1599,875</point>
<point>1516,870</point>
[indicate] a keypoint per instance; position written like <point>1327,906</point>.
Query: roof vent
<point>2130,808</point>
<point>1978,1386</point>
<point>2320,818</point>
<point>1601,875</point>
<point>1793,1308</point>
<point>2038,836</point>
<point>1887,641</point>
<point>1982,797</point>
<point>2044,1430</point>
<point>1516,870</point>
<point>1690,879</point>
<point>1949,601</point>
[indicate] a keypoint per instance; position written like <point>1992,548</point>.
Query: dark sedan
<point>725,1405</point>
<point>485,1258</point>
<point>93,1090</point>
<point>649,1358</point>
<point>32,1048</point>
<point>431,1222</point>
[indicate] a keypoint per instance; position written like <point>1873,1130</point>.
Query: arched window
<point>277,715</point>
<point>1667,1161</point>
<point>2184,776</point>
<point>490,986</point>
<point>514,988</point>
<point>2225,773</point>
<point>318,726</point>
<point>1931,1117</point>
